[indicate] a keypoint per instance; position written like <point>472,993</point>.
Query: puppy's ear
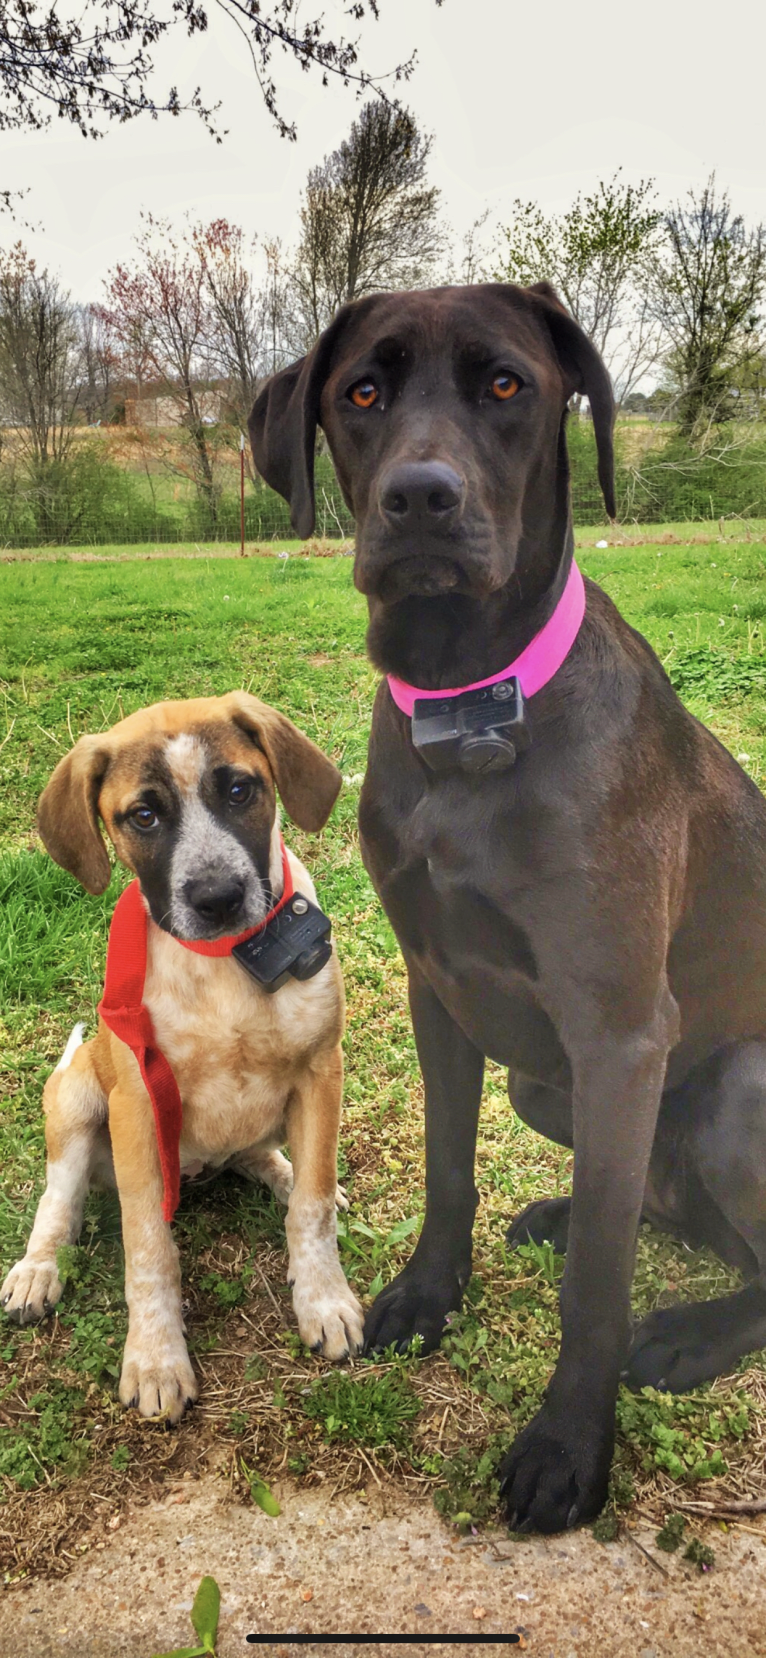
<point>67,814</point>
<point>284,420</point>
<point>584,372</point>
<point>307,781</point>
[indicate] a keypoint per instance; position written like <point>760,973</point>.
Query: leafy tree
<point>596,255</point>
<point>708,283</point>
<point>369,219</point>
<point>97,65</point>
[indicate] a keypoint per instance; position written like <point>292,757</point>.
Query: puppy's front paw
<point>158,1381</point>
<point>329,1316</point>
<point>30,1291</point>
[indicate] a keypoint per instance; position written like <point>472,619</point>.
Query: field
<point>83,643</point>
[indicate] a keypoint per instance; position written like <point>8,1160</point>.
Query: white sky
<point>533,101</point>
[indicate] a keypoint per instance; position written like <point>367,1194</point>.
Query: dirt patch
<point>380,1561</point>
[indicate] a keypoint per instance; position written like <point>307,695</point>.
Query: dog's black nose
<point>421,492</point>
<point>215,898</point>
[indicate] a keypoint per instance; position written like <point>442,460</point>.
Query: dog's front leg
<point>431,1286</point>
<point>328,1313</point>
<point>157,1376</point>
<point>557,1471</point>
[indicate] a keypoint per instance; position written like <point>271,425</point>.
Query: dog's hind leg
<point>725,1207</point>
<point>75,1117</point>
<point>549,1112</point>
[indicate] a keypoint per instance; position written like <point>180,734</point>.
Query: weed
<point>205,1614</point>
<point>53,1438</point>
<point>681,1434</point>
<point>469,1488</point>
<point>376,1411</point>
<point>700,1554</point>
<point>262,1496</point>
<point>671,1536</point>
<point>228,1292</point>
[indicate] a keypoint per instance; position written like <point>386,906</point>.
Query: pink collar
<point>538,662</point>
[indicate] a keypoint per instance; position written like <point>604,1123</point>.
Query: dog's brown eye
<point>144,818</point>
<point>240,793</point>
<point>364,394</point>
<point>505,386</point>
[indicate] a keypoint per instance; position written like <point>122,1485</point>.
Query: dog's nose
<point>215,898</point>
<point>421,492</point>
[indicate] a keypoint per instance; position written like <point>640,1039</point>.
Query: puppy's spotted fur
<point>187,794</point>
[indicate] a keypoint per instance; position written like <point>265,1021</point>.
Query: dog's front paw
<point>30,1291</point>
<point>329,1316</point>
<point>555,1475</point>
<point>414,1304</point>
<point>158,1381</point>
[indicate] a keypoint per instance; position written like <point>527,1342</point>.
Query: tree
<point>161,312</point>
<point>39,357</point>
<point>99,360</point>
<point>97,66</point>
<point>237,313</point>
<point>368,219</point>
<point>596,255</point>
<point>708,283</point>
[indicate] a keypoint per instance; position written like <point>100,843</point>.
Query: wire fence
<point>106,505</point>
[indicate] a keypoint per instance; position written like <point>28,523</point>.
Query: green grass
<point>84,643</point>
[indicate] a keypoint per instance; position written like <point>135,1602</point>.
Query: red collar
<point>122,1008</point>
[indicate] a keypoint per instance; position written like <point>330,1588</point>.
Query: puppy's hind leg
<point>270,1166</point>
<point>678,1348</point>
<point>75,1114</point>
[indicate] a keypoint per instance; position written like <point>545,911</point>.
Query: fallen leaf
<point>308,1594</point>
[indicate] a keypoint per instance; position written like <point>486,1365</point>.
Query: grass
<point>83,643</point>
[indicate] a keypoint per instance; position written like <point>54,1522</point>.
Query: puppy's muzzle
<point>217,900</point>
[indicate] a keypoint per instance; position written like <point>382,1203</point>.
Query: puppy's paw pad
<point>158,1383</point>
<point>30,1291</point>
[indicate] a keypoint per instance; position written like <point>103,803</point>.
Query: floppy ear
<point>284,419</point>
<point>67,814</point>
<point>307,781</point>
<point>585,371</point>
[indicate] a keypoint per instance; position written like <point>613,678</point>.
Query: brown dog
<point>186,792</point>
<point>593,916</point>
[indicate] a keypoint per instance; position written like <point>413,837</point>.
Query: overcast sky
<point>533,101</point>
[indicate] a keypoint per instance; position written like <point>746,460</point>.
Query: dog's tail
<point>75,1042</point>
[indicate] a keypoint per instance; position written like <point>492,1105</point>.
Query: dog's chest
<point>462,905</point>
<point>235,1051</point>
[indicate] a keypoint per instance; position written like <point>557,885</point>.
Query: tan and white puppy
<point>187,794</point>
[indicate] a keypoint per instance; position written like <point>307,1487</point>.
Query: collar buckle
<point>476,731</point>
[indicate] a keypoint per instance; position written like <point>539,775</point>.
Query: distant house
<point>157,410</point>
